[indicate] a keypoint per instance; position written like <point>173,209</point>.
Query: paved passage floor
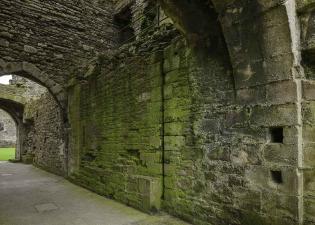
<point>30,196</point>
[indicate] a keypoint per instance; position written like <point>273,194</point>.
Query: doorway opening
<point>39,122</point>
<point>7,137</point>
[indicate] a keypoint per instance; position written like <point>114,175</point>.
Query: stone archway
<point>40,122</point>
<point>247,29</point>
<point>30,71</point>
<point>16,110</point>
<point>263,41</point>
<point>13,102</point>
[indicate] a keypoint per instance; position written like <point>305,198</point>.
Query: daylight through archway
<point>39,132</point>
<point>8,134</point>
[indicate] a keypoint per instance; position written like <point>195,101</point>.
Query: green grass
<point>7,153</point>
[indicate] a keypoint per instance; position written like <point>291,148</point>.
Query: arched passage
<point>7,130</point>
<point>16,110</point>
<point>262,38</point>
<point>40,124</point>
<point>247,29</point>
<point>30,71</point>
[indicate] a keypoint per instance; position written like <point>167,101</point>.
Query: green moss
<point>251,218</point>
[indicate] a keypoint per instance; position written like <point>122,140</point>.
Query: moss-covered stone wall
<point>210,136</point>
<point>116,130</point>
<point>168,130</point>
<point>221,158</point>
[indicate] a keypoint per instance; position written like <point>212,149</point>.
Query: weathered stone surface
<point>216,128</point>
<point>7,130</point>
<point>50,35</point>
<point>308,90</point>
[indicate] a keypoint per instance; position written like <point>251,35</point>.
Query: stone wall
<point>32,90</point>
<point>40,121</point>
<point>7,130</point>
<point>224,163</point>
<point>216,131</point>
<point>177,128</point>
<point>144,19</point>
<point>307,15</point>
<point>45,144</point>
<point>116,132</point>
<point>46,41</point>
<point>221,144</point>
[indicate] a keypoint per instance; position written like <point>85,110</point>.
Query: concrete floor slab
<point>30,196</point>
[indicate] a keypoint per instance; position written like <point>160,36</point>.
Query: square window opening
<point>276,135</point>
<point>276,176</point>
<point>123,22</point>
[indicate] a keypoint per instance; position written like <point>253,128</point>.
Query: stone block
<point>168,91</point>
<point>275,204</point>
<point>155,70</point>
<point>268,116</point>
<point>175,76</point>
<point>247,199</point>
<point>30,49</point>
<point>309,209</point>
<point>32,69</point>
<point>171,64</point>
<point>281,92</point>
<point>176,115</point>
<point>4,42</point>
<point>174,129</point>
<point>56,89</point>
<point>309,182</point>
<point>172,60</point>
<point>308,90</point>
<point>218,153</point>
<point>281,154</point>
<point>177,103</point>
<point>251,96</point>
<point>157,56</point>
<point>13,67</point>
<point>150,191</point>
<point>236,118</point>
<point>290,135</point>
<point>309,155</point>
<point>174,142</point>
<point>308,133</point>
<point>278,68</point>
<point>261,177</point>
<point>6,35</point>
<point>149,158</point>
<point>308,113</point>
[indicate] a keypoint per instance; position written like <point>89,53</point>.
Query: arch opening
<point>33,73</point>
<point>12,111</point>
<point>8,136</point>
<point>40,127</point>
<point>5,79</point>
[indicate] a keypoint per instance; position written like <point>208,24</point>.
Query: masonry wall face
<point>56,36</point>
<point>45,143</point>
<point>118,132</point>
<point>215,139</point>
<point>7,130</point>
<point>176,128</point>
<point>307,16</point>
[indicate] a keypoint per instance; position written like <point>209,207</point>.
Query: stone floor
<point>30,196</point>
